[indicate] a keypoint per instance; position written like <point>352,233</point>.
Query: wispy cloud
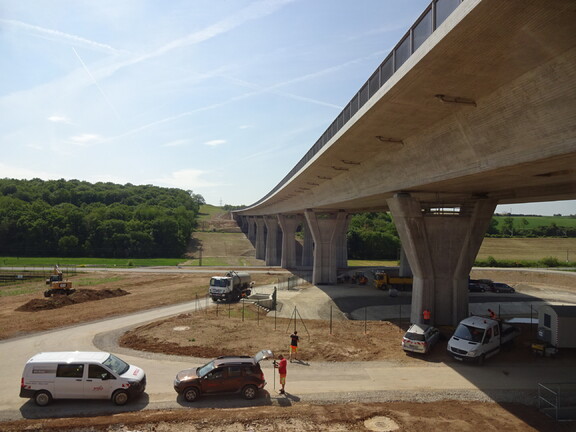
<point>85,139</point>
<point>214,143</point>
<point>56,35</point>
<point>59,119</point>
<point>97,85</point>
<point>252,12</point>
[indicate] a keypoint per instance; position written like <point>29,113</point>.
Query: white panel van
<point>80,375</point>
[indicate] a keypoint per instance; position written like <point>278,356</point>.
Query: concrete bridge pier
<point>260,237</point>
<point>308,246</point>
<point>288,225</point>
<point>273,239</point>
<point>441,244</point>
<point>251,229</point>
<point>243,222</point>
<point>326,229</point>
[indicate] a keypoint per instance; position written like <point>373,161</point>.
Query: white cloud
<point>59,119</point>
<point>214,143</point>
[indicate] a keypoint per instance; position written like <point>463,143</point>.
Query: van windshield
<point>116,365</point>
<point>469,333</point>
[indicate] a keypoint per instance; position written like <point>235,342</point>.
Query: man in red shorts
<point>282,365</point>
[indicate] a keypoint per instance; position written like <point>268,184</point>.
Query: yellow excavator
<point>57,285</point>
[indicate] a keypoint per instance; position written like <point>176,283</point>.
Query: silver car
<point>420,338</point>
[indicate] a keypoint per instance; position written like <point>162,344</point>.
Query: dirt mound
<point>79,296</point>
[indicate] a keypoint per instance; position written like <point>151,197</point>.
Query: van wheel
<point>120,397</point>
<point>42,398</point>
<point>191,394</point>
<point>249,392</point>
<point>481,359</point>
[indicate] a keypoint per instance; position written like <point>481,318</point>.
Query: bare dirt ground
<point>144,291</point>
<point>450,416</point>
<point>350,340</point>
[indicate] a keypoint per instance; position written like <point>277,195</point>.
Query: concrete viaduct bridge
<point>474,107</point>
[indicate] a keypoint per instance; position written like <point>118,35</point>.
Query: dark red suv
<point>224,375</point>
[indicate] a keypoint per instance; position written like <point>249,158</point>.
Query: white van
<point>80,375</point>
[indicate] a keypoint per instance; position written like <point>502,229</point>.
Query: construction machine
<point>384,281</point>
<point>58,286</point>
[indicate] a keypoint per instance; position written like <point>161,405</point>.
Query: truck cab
<point>478,338</point>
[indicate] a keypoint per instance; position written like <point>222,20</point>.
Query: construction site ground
<point>327,337</point>
<point>221,330</point>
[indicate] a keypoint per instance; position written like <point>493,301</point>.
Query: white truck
<point>230,287</point>
<point>478,338</point>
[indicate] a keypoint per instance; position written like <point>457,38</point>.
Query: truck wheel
<point>191,394</point>
<point>120,397</point>
<point>42,398</point>
<point>249,392</point>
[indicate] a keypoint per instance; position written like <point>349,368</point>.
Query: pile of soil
<point>79,296</point>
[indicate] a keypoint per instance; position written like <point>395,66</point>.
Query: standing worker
<point>294,338</point>
<point>426,316</point>
<point>282,367</point>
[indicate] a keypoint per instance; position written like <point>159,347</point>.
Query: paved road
<point>376,381</point>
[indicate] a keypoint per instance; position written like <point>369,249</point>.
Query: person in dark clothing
<point>294,338</point>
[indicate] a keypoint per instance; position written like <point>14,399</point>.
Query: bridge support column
<point>326,229</point>
<point>404,270</point>
<point>272,239</point>
<point>251,229</point>
<point>260,237</point>
<point>342,245</point>
<point>441,245</point>
<point>288,225</point>
<point>308,246</point>
<point>243,222</point>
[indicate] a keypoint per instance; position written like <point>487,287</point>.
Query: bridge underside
<point>483,113</point>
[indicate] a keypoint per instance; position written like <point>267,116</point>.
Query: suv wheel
<point>249,392</point>
<point>191,394</point>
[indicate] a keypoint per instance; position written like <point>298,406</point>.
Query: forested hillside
<point>77,218</point>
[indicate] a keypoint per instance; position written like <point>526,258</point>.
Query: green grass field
<point>86,262</point>
<point>529,222</point>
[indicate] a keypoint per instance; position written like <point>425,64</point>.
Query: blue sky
<point>218,97</point>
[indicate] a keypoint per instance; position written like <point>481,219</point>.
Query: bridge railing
<point>432,17</point>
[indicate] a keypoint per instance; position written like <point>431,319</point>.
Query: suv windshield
<point>203,370</point>
<point>114,363</point>
<point>470,333</point>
